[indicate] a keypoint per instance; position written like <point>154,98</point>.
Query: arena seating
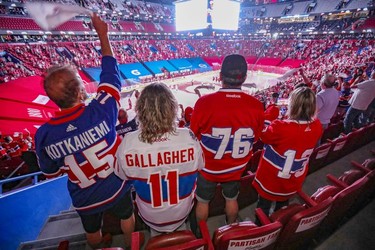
<point>300,222</point>
<point>342,201</point>
<point>318,157</point>
<point>184,240</point>
<point>247,234</point>
<point>252,165</point>
<point>247,196</point>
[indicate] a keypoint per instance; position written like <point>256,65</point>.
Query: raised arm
<point>101,28</point>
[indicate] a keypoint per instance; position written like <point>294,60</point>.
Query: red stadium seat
<point>332,131</point>
<point>252,165</point>
<point>337,149</point>
<point>318,157</point>
<point>182,240</point>
<point>300,222</point>
<point>351,176</point>
<point>342,201</point>
<point>258,145</point>
<point>246,234</point>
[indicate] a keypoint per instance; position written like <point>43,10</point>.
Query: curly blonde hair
<point>156,110</point>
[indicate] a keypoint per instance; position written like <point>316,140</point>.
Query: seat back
<point>342,201</point>
<point>318,157</point>
<point>351,176</point>
<point>337,149</point>
<point>247,196</point>
<point>182,240</point>
<point>332,131</point>
<point>300,228</point>
<point>29,157</point>
<point>252,165</point>
<point>247,235</point>
<point>172,239</point>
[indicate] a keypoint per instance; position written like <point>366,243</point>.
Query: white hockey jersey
<point>164,176</point>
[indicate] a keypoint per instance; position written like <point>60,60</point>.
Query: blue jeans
<point>352,116</point>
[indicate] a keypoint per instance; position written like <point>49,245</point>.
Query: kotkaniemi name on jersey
<point>78,142</point>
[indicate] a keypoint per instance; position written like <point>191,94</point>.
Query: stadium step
<point>66,226</point>
<point>57,225</point>
<point>76,242</point>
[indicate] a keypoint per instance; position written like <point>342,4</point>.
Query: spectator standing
<point>124,126</point>
<point>161,160</point>
<point>227,123</point>
<point>81,140</point>
<point>288,145</point>
<point>327,100</point>
<point>363,95</point>
<point>272,111</point>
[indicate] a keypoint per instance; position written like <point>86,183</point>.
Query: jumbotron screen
<point>191,15</point>
<point>199,14</point>
<point>225,14</point>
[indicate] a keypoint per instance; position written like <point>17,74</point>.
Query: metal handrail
<point>34,175</point>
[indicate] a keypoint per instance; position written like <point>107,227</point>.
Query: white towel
<point>50,15</point>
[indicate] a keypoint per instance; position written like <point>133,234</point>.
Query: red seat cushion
<point>349,177</point>
<point>235,227</point>
<point>284,214</point>
<point>171,239</point>
<point>369,163</point>
<point>324,192</point>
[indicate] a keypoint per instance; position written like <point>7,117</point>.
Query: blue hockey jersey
<point>82,141</point>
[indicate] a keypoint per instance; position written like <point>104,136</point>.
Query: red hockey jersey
<point>227,123</point>
<point>283,166</point>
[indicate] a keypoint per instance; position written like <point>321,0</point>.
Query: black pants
<point>265,205</point>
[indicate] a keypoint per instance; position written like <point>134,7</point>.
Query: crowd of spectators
<point>14,145</point>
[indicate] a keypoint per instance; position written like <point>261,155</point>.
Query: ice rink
<point>184,87</point>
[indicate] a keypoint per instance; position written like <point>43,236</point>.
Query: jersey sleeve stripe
<point>110,89</point>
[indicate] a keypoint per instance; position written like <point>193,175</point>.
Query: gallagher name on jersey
<point>159,158</point>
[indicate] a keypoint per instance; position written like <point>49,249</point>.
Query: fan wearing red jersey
<point>81,141</point>
<point>288,145</point>
<point>227,123</point>
<point>162,161</point>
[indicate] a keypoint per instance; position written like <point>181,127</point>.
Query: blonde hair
<point>156,110</point>
<point>302,104</point>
